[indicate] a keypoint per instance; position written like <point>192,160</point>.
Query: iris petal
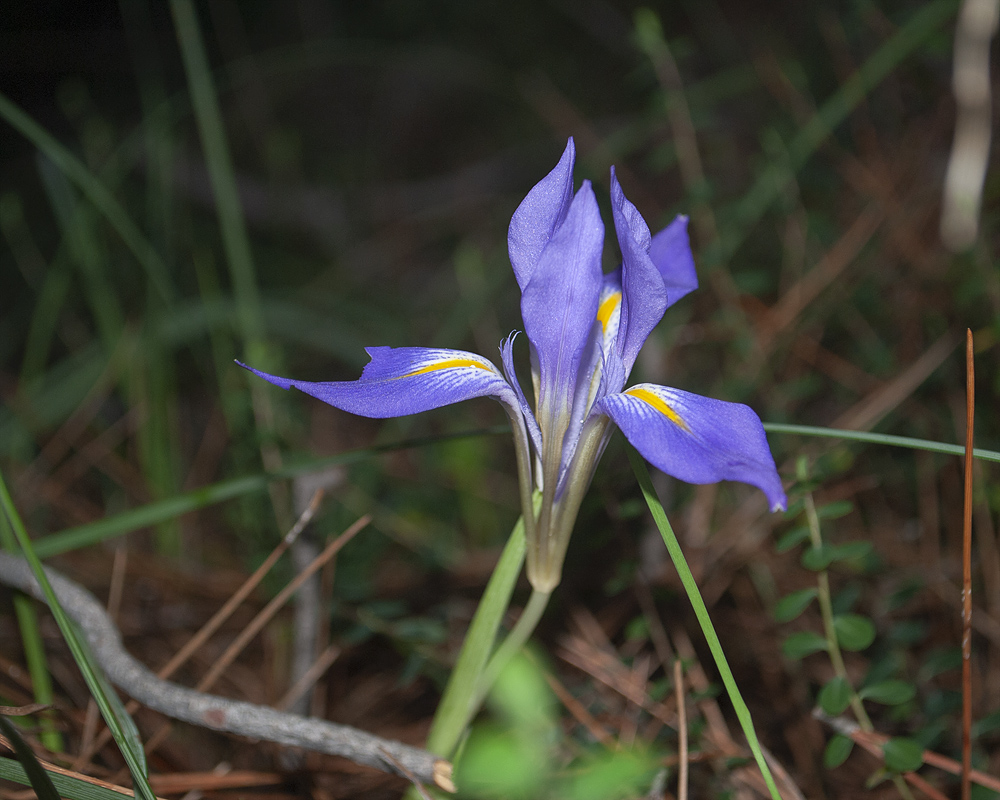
<point>559,304</point>
<point>644,293</point>
<point>407,380</point>
<point>670,252</point>
<point>541,212</point>
<point>696,439</point>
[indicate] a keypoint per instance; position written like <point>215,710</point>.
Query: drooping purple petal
<point>670,252</point>
<point>559,304</point>
<point>644,295</point>
<point>540,213</point>
<point>406,380</point>
<point>696,439</point>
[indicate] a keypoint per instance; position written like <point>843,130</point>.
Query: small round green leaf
<point>890,693</point>
<point>790,538</point>
<point>903,755</point>
<point>835,510</point>
<point>854,632</point>
<point>790,606</point>
<point>802,644</point>
<point>835,696</point>
<point>850,551</point>
<point>817,558</point>
<point>837,751</point>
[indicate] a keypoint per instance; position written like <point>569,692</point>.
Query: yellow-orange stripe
<point>659,404</point>
<point>606,309</point>
<point>451,363</point>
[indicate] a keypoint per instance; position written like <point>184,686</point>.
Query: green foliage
<point>837,750</point>
<point>40,781</point>
<point>902,754</point>
<point>890,693</point>
<point>516,756</point>
<point>854,631</point>
<point>802,644</point>
<point>835,696</point>
<point>790,606</point>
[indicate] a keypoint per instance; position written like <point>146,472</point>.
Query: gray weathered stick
<point>220,713</point>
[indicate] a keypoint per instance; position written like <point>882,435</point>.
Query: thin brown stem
<point>970,406</point>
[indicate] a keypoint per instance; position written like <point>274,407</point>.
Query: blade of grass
<point>701,612</point>
<point>881,438</point>
<point>125,734</point>
<point>95,191</point>
<point>67,786</point>
<point>235,240</point>
<point>34,771</point>
<point>34,651</point>
<point>76,221</point>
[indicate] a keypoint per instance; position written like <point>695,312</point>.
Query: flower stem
<point>459,702</point>
<point>510,646</point>
<point>833,642</point>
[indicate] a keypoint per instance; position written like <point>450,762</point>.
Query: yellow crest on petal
<point>659,404</point>
<point>607,308</point>
<point>451,363</point>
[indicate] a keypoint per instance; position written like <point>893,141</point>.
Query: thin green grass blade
<point>45,318</point>
<point>95,191</point>
<point>220,170</point>
<point>881,438</point>
<point>154,513</point>
<point>34,651</point>
<point>124,735</point>
<point>67,786</point>
<point>77,224</point>
<point>694,595</point>
<point>33,771</point>
<point>463,684</point>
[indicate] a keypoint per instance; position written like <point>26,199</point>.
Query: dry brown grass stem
<point>970,407</point>
<point>682,774</point>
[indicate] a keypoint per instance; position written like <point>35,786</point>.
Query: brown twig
<point>682,773</point>
<point>195,642</point>
<point>210,711</point>
<point>873,741</point>
<point>970,407</point>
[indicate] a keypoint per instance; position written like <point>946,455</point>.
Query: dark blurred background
<point>371,156</point>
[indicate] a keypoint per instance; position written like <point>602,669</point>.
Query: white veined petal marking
<point>659,404</point>
<point>450,363</point>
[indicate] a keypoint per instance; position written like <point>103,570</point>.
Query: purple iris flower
<point>584,331</point>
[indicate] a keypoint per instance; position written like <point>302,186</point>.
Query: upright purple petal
<point>696,439</point>
<point>670,251</point>
<point>559,304</point>
<point>406,380</point>
<point>644,296</point>
<point>541,212</point>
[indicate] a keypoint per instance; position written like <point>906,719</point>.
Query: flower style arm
<point>696,439</point>
<point>407,380</point>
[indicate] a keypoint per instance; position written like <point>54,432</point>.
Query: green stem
<point>833,643</point>
<point>510,647</point>
<point>826,611</point>
<point>457,702</point>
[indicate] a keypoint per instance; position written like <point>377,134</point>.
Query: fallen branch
<point>220,713</point>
